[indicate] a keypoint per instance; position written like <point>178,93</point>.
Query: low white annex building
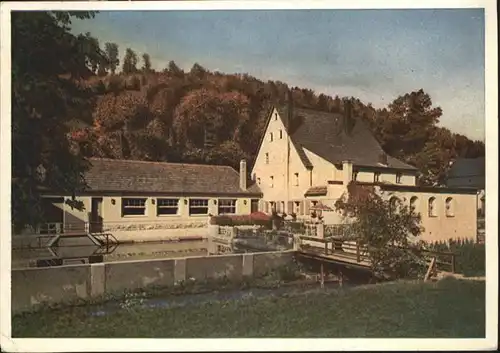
<point>306,156</point>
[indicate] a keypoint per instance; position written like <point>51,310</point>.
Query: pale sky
<point>374,55</point>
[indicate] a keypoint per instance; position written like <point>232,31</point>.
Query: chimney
<point>243,174</point>
<point>346,172</point>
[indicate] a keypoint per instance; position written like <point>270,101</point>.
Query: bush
<point>242,220</point>
<point>470,257</point>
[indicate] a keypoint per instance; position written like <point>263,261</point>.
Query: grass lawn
<point>446,309</point>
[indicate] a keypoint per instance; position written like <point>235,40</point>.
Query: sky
<point>374,55</point>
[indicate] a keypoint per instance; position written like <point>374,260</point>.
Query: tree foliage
<point>146,67</point>
<point>408,130</point>
<point>111,50</point>
<point>45,96</point>
<point>129,62</point>
<point>201,110</point>
<point>388,230</point>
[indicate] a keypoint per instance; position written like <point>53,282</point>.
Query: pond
<point>65,255</point>
<point>83,251</point>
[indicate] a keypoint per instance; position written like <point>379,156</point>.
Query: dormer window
<point>281,134</point>
<point>398,178</point>
<point>270,136</point>
<point>376,177</point>
<point>275,116</point>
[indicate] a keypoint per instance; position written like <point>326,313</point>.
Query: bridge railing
<point>445,261</point>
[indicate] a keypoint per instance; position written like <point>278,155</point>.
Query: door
<point>95,225</point>
<point>254,206</point>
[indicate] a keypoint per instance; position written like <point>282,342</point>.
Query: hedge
<point>471,256</point>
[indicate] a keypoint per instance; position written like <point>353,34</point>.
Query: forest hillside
<point>210,117</point>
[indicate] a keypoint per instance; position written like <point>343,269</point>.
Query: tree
<point>111,50</point>
<point>198,71</point>
<point>44,96</point>
<point>206,117</point>
<point>174,70</point>
<point>129,62</point>
<point>386,228</point>
<point>147,63</point>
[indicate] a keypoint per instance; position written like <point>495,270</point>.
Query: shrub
<point>241,220</point>
<point>377,224</point>
<point>470,257</point>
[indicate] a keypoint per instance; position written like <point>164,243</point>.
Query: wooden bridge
<point>352,255</point>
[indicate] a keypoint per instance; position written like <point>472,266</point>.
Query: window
<point>271,181</point>
<point>282,208</point>
<point>133,207</point>
<point>449,207</point>
<point>355,176</point>
<point>296,179</point>
<point>275,116</point>
<point>413,203</point>
<point>393,204</point>
<point>398,178</point>
<point>167,206</point>
<point>258,181</point>
<point>270,136</point>
<point>376,177</point>
<point>198,206</point>
<point>281,134</point>
<point>273,206</point>
<point>432,207</point>
<point>297,207</point>
<point>227,206</point>
<point>267,158</point>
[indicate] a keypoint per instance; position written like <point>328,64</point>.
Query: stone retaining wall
<point>65,284</point>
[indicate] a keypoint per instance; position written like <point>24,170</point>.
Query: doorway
<point>95,220</point>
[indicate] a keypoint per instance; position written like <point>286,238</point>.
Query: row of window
<point>431,205</point>
<point>170,206</point>
<point>271,180</point>
<point>299,207</point>
<point>376,177</point>
<point>271,136</point>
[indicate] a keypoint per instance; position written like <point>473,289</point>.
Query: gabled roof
<point>324,134</point>
<point>468,167</point>
<point>158,177</point>
<point>465,168</point>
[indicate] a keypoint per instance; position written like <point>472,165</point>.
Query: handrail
<point>348,247</point>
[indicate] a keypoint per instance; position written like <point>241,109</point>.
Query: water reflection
<point>65,255</point>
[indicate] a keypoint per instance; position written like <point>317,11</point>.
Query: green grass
<point>446,309</point>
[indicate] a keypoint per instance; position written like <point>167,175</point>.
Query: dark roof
<point>468,167</point>
<point>158,177</point>
<point>324,134</point>
<point>316,191</point>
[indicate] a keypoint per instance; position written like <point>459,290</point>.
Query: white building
<point>306,156</point>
